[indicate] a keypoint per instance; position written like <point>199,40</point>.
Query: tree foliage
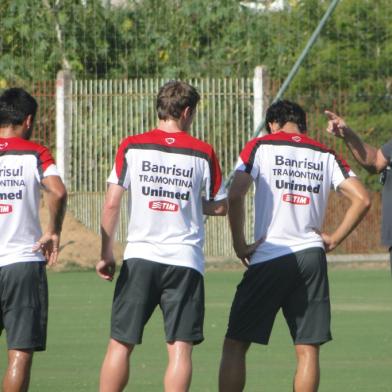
<point>349,67</point>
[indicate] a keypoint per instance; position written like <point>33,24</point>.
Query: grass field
<point>358,359</point>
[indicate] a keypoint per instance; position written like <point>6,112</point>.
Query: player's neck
<point>290,127</point>
<point>8,132</point>
<point>170,126</point>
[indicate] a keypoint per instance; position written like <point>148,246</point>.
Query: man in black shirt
<point>374,160</point>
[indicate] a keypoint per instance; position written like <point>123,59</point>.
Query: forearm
<point>363,153</point>
<point>57,204</point>
<point>353,216</point>
<point>237,221</point>
<point>110,218</point>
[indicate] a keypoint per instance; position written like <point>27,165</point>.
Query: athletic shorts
<point>297,283</point>
<point>144,284</point>
<point>24,305</point>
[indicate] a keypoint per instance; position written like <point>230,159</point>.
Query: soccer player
<point>374,160</point>
<point>172,179</point>
<point>286,264</point>
<point>25,167</point>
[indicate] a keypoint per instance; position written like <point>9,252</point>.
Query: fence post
<point>260,95</point>
<point>63,123</point>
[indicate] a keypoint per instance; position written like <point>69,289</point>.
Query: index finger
<point>331,115</point>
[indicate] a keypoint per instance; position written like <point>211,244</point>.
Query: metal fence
<point>105,111</point>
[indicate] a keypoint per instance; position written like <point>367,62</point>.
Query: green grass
<point>358,359</point>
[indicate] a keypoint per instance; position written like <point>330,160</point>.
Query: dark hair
<point>173,97</point>
<point>284,111</point>
<point>15,105</point>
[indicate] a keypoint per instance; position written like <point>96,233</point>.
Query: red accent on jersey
<point>18,145</point>
<point>5,208</point>
<point>295,199</point>
<point>249,151</point>
<point>179,142</point>
<point>162,205</point>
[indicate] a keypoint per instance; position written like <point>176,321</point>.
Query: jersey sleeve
<point>341,171</point>
<point>247,161</point>
<point>45,164</point>
<point>120,172</point>
<point>215,188</point>
<point>386,150</point>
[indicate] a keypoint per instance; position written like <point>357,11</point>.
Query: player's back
<point>22,166</point>
<point>293,176</point>
<point>166,174</point>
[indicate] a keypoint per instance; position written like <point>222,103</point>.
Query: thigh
<point>25,305</point>
<point>258,298</point>
<point>307,309</point>
<point>182,304</point>
<point>135,297</point>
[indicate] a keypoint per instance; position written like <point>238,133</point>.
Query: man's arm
<point>353,189</point>
<point>215,208</point>
<point>110,214</point>
<point>237,193</point>
<point>56,200</point>
<point>371,158</point>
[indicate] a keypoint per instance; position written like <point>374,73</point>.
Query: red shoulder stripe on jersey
<point>248,154</point>
<point>178,143</point>
<point>18,146</point>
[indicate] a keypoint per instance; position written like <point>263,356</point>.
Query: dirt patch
<point>79,246</point>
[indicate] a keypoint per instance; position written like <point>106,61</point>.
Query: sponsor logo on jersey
<point>295,199</point>
<point>162,205</point>
<point>3,145</point>
<point>11,195</point>
<point>296,139</point>
<point>5,208</point>
<point>170,140</point>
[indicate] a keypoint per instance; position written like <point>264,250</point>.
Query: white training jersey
<point>23,164</point>
<point>293,175</point>
<point>166,175</point>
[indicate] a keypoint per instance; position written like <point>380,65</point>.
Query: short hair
<point>15,105</point>
<point>173,97</point>
<point>284,111</point>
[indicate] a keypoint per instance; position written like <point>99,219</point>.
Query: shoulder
<point>26,147</point>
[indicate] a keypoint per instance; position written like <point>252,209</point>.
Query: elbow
<point>222,210</point>
<point>60,193</point>
<point>365,202</point>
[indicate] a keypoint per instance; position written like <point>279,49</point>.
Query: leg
<point>390,258</point>
<point>307,376</point>
<point>17,375</point>
<point>115,368</point>
<point>179,370</point>
<point>232,373</point>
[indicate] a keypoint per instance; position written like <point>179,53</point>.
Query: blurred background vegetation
<point>349,69</point>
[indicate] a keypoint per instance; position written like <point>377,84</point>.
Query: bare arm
<point>215,208</point>
<point>371,158</point>
<point>238,190</point>
<point>353,189</point>
<point>56,200</point>
<point>110,215</point>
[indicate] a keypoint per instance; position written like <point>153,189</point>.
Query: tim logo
<point>3,145</point>
<point>170,140</point>
<point>296,139</point>
<point>5,208</point>
<point>296,199</point>
<point>161,205</point>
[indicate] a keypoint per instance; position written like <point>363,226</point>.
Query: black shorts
<point>297,283</point>
<point>144,284</point>
<point>24,305</point>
